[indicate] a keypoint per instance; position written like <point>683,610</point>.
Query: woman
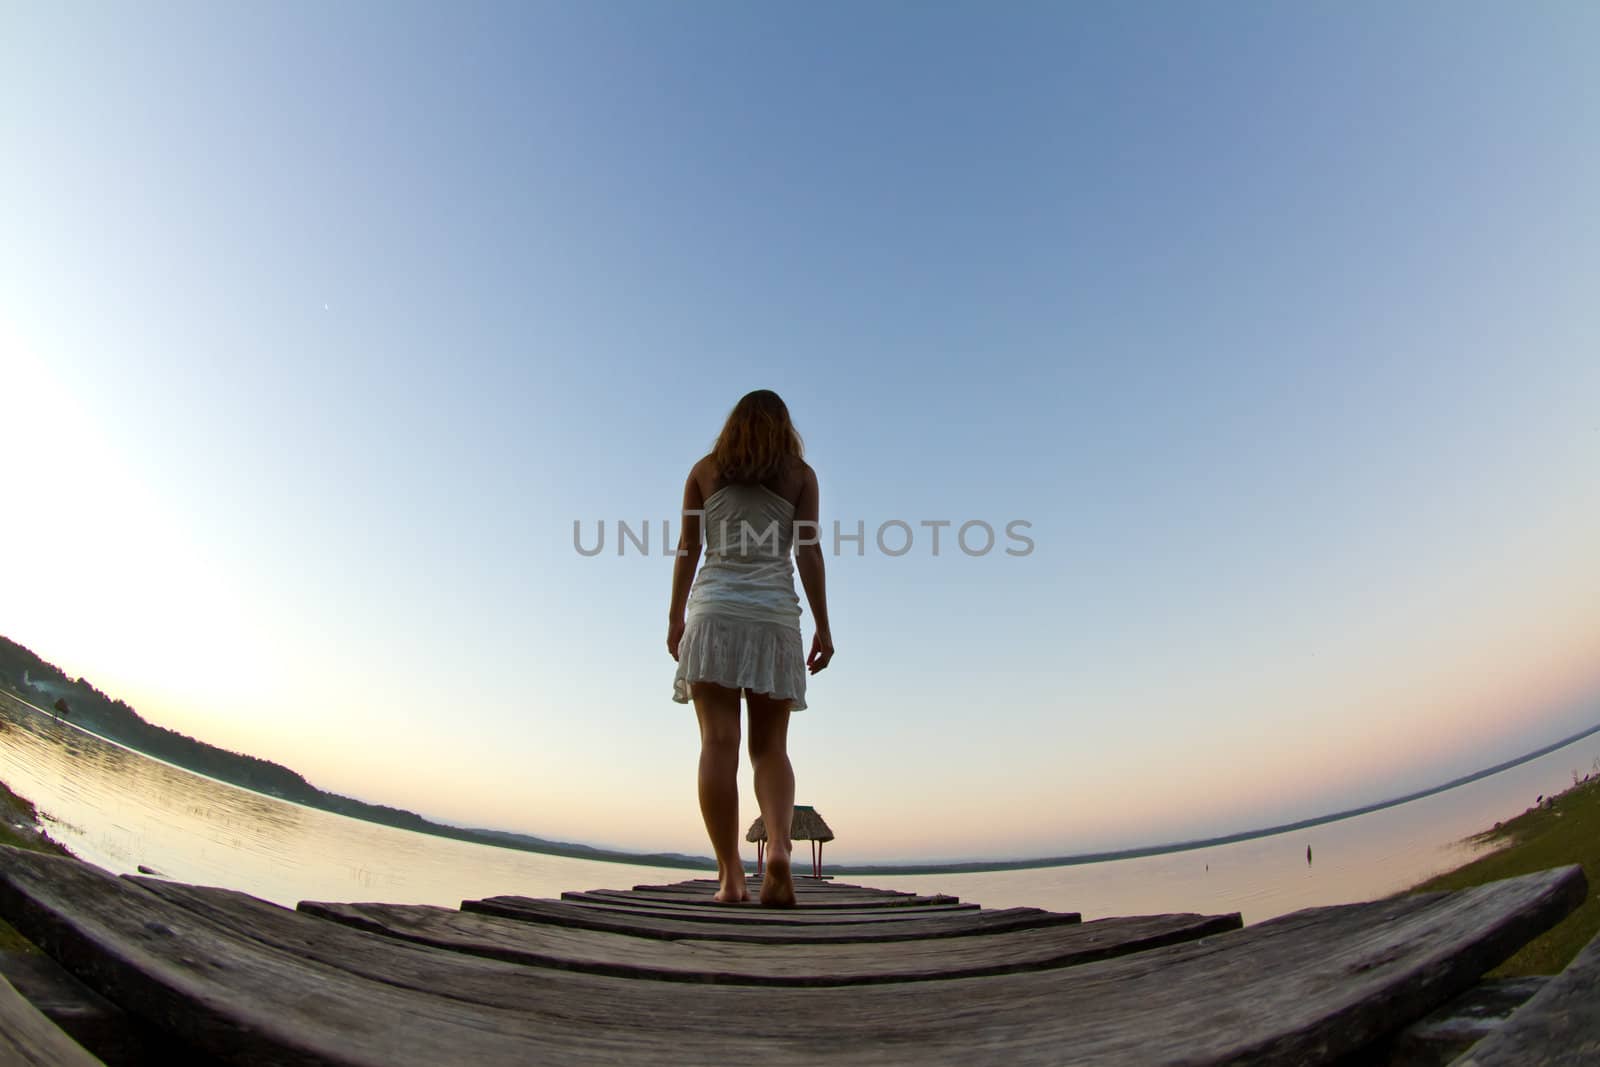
<point>738,629</point>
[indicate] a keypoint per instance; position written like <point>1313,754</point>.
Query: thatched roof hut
<point>806,825</point>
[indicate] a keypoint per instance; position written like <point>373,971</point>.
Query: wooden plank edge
<point>101,1027</point>
<point>1559,1025</point>
<point>29,1039</point>
<point>804,907</point>
<point>1203,926</point>
<point>1556,893</point>
<point>616,922</point>
<point>1448,1031</point>
<point>751,914</point>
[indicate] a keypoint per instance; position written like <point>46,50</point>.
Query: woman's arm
<point>688,559</point>
<point>808,561</point>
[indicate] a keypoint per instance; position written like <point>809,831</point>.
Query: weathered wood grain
<point>749,913</point>
<point>851,929</point>
<point>253,982</point>
<point>810,899</point>
<point>28,1039</point>
<point>1378,961</point>
<point>245,1002</point>
<point>1559,1026</point>
<point>807,897</point>
<point>103,1029</point>
<point>795,965</point>
<point>817,894</point>
<point>802,884</point>
<point>752,908</point>
<point>1449,1030</point>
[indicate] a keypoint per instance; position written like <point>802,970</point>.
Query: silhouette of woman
<point>749,502</point>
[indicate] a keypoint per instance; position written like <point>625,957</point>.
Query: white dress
<point>742,621</point>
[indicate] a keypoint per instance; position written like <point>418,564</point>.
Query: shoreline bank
<point>20,826</point>
<point>1558,830</point>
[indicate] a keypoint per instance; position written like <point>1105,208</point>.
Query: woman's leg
<point>717,707</point>
<point>769,756</point>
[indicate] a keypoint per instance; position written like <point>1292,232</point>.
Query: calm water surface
<point>120,809</point>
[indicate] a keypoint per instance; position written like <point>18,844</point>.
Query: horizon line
<point>684,861</point>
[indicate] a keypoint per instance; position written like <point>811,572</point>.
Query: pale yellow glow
<point>106,580</point>
<point>110,581</point>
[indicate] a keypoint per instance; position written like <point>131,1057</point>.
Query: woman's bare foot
<point>777,888</point>
<point>733,889</point>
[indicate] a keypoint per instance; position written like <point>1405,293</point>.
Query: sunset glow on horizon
<point>320,329</point>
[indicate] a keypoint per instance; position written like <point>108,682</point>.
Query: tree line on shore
<point>45,685</point>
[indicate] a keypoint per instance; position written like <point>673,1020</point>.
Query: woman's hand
<point>821,651</point>
<point>674,635</point>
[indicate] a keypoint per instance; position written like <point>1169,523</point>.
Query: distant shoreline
<point>432,829</point>
<point>979,867</point>
<point>92,708</point>
<point>510,839</point>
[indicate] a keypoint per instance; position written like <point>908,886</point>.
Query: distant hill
<point>42,684</point>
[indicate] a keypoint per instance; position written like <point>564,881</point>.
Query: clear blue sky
<point>321,324</point>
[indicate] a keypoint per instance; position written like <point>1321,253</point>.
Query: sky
<point>322,326</point>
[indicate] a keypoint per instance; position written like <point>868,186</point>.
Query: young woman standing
<point>735,631</point>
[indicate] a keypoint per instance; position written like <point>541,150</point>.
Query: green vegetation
<point>1563,829</point>
<point>19,827</point>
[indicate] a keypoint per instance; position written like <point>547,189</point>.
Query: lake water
<point>120,809</point>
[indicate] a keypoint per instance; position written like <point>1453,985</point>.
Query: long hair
<point>758,439</point>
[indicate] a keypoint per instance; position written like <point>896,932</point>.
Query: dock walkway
<point>168,972</point>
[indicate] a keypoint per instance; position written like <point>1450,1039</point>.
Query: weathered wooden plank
<point>1449,1030</point>
<point>254,982</point>
<point>103,1029</point>
<point>815,892</point>
<point>1460,934</point>
<point>752,906</point>
<point>1558,1026</point>
<point>802,881</point>
<point>848,896</point>
<point>1456,929</point>
<point>750,913</point>
<point>561,913</point>
<point>813,899</point>
<point>246,1002</point>
<point>802,884</point>
<point>795,965</point>
<point>27,1038</point>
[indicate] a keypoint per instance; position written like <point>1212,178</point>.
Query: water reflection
<point>123,810</point>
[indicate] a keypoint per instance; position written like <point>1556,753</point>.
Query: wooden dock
<point>141,970</point>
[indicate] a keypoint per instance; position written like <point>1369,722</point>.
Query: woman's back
<point>748,573</point>
<point>734,627</point>
<point>748,522</point>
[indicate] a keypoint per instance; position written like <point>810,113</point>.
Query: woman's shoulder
<point>704,472</point>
